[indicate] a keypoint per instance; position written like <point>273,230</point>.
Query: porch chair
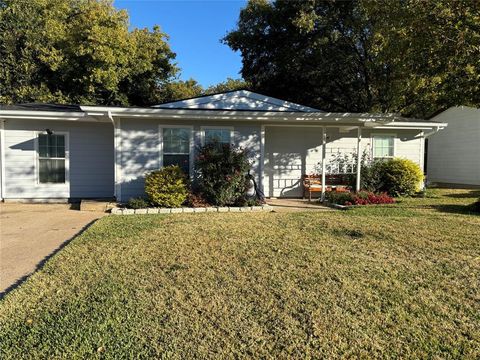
<point>313,183</point>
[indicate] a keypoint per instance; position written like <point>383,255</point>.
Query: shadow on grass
<point>456,209</point>
<point>471,194</point>
<point>40,265</point>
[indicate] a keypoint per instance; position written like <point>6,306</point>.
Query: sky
<point>195,28</point>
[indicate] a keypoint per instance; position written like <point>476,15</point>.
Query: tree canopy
<point>79,51</point>
<point>411,57</point>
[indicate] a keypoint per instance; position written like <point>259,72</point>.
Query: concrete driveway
<point>30,233</point>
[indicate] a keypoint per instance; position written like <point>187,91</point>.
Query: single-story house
<point>78,152</point>
<point>454,154</point>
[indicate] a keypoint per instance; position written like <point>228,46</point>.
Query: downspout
<point>116,171</point>
<point>2,160</point>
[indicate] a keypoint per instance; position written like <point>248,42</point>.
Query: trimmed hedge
<point>166,187</point>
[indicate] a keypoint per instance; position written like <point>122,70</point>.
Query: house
<point>454,154</point>
<point>53,152</point>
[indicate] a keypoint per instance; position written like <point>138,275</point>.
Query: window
<point>221,135</point>
<point>176,147</point>
<point>383,146</point>
<point>51,158</point>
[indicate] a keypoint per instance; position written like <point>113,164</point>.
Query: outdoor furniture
<point>313,183</point>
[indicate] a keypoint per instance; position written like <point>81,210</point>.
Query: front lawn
<point>396,281</point>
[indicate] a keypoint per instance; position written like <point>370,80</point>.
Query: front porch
<point>289,152</point>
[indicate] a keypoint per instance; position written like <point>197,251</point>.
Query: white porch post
<point>261,164</point>
<point>324,165</point>
<point>359,159</point>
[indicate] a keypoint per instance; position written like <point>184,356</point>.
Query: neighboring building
<point>454,153</point>
<point>69,152</point>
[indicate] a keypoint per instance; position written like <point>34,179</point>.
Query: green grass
<point>377,282</point>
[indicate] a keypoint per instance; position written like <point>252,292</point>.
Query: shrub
<point>166,187</point>
<point>196,200</point>
<point>137,203</point>
<point>360,198</point>
<point>400,177</point>
<point>221,173</point>
<point>394,176</point>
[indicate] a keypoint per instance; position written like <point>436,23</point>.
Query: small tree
<point>221,173</point>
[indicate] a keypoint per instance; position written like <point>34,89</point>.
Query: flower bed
<point>359,198</point>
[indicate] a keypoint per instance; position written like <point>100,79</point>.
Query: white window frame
<point>203,128</point>
<point>377,135</point>
<point>191,147</point>
<point>67,160</point>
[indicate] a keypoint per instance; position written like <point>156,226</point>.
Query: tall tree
<point>79,51</point>
<point>409,56</point>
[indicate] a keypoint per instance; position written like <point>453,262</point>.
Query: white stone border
<point>123,211</point>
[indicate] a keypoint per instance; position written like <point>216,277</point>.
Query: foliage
<point>79,51</point>
<point>359,198</point>
<point>412,57</point>
<point>399,176</point>
<point>395,176</point>
<point>277,285</point>
<point>227,85</point>
<point>222,169</point>
<point>166,187</point>
<point>178,90</point>
<point>196,200</point>
<point>137,203</point>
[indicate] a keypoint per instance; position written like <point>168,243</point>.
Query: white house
<point>70,152</point>
<point>454,154</point>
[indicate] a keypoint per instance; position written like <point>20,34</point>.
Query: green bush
<point>166,187</point>
<point>137,203</point>
<point>221,173</point>
<point>394,176</point>
<point>400,177</point>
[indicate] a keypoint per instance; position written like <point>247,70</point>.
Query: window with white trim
<point>176,147</point>
<point>220,135</point>
<point>383,146</point>
<point>51,159</point>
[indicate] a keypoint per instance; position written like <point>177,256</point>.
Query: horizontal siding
<point>90,158</point>
<point>293,152</point>
<point>140,144</point>
<point>453,153</point>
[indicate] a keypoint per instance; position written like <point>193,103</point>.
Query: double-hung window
<point>383,146</point>
<point>176,147</point>
<point>51,158</point>
<point>219,135</point>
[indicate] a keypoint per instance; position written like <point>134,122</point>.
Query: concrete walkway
<point>287,205</point>
<point>30,233</point>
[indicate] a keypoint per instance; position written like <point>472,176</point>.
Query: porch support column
<point>261,164</point>
<point>324,165</point>
<point>359,159</point>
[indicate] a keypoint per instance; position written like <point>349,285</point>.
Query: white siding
<point>291,152</point>
<point>454,153</point>
<point>90,160</point>
<point>140,144</point>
